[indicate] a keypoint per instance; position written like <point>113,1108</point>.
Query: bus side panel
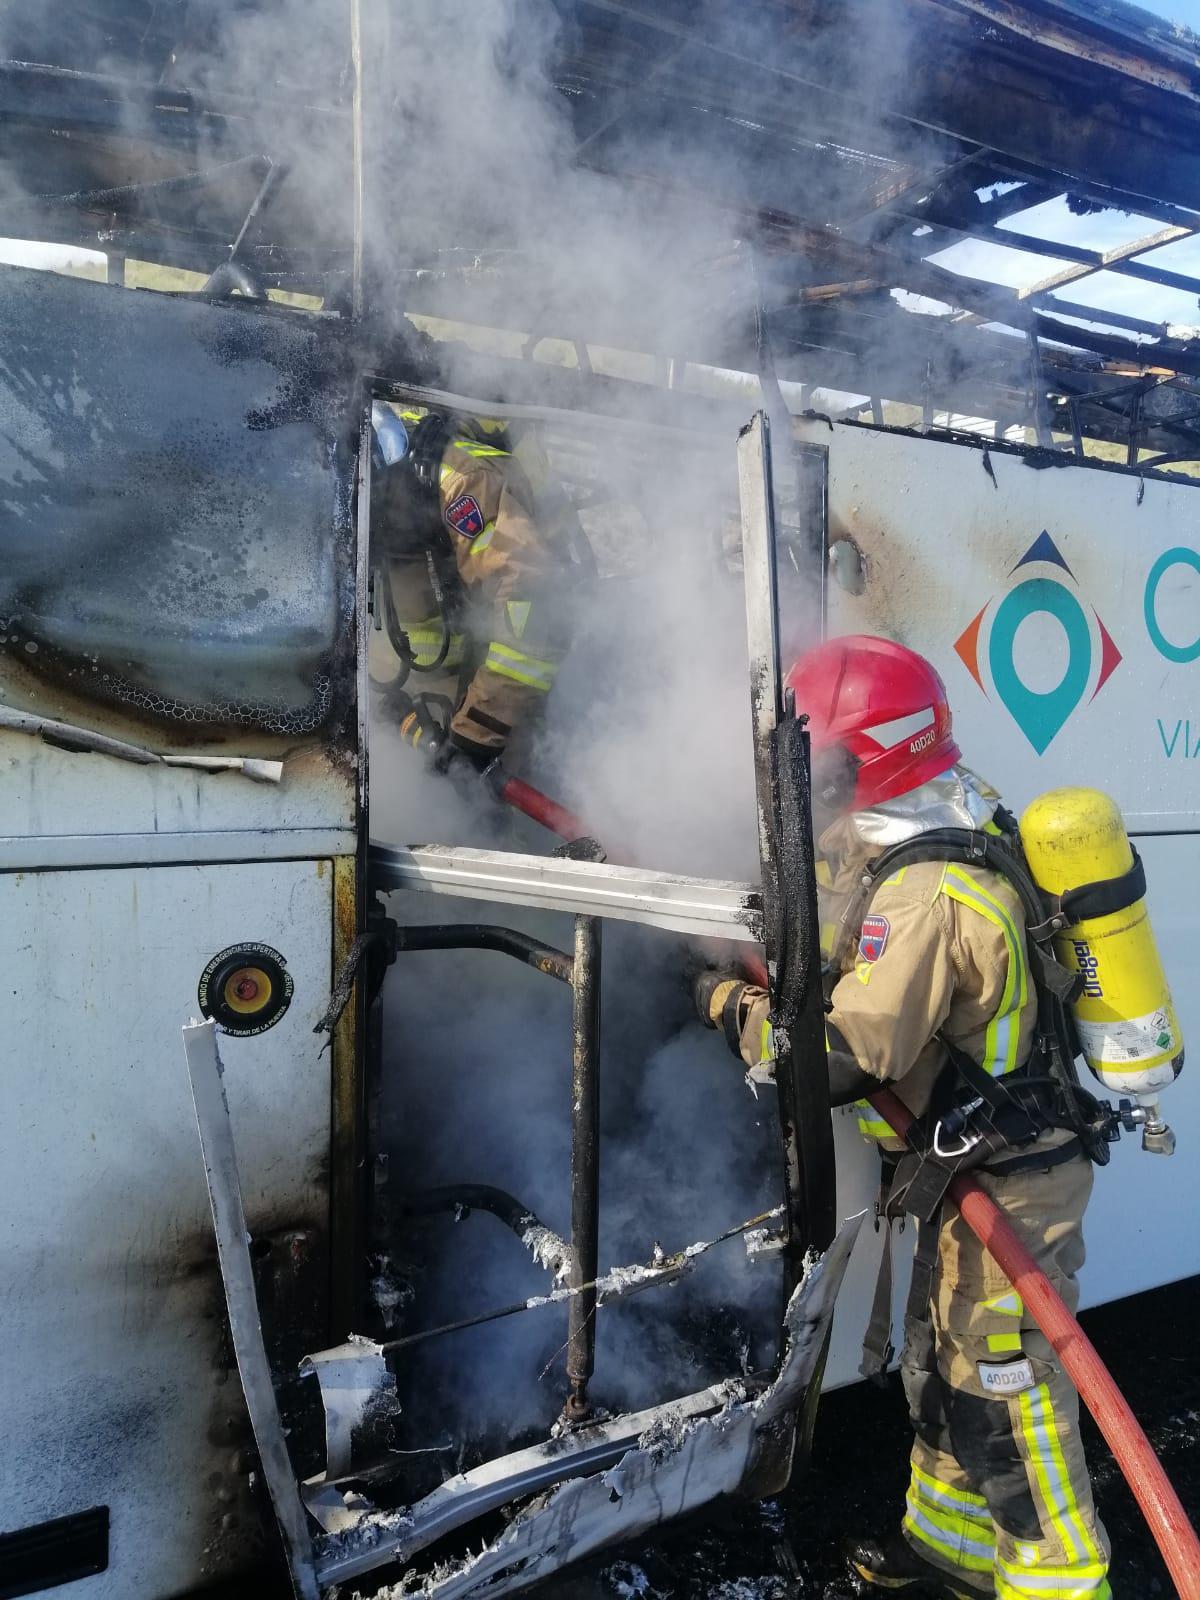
<point>117,1386</point>
<point>1059,607</point>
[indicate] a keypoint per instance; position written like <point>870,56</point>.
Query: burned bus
<point>375,1216</point>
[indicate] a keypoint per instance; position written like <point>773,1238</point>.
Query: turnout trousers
<point>999,1497</point>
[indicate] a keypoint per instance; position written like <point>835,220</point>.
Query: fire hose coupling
<point>1158,1138</point>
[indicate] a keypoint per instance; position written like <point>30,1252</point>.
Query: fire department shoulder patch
<point>873,940</point>
<point>464,516</point>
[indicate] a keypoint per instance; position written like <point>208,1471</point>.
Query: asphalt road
<point>788,1549</point>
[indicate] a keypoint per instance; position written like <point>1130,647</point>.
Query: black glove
<point>466,764</point>
<point>712,991</point>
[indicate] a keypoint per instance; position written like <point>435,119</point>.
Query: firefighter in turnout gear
<point>927,981</point>
<point>468,587</point>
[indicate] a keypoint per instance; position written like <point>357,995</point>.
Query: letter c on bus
<point>1179,556</point>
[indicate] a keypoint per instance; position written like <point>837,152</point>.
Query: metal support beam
<point>800,1071</point>
<point>359,168</point>
<point>1116,260</point>
<point>703,907</point>
<point>485,936</point>
<point>585,1166</point>
<point>233,1252</point>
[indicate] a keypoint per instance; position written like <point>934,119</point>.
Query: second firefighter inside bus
<point>470,582</point>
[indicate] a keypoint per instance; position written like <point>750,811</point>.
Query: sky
<point>1176,10</point>
<point>1053,222</point>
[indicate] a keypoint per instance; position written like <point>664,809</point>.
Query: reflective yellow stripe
<point>517,612</point>
<point>1003,1037</point>
<point>481,452</point>
<point>967,1542</point>
<point>1008,1304</point>
<point>1002,1343</point>
<point>870,1125</point>
<point>925,1485</point>
<point>482,540</point>
<point>824,875</point>
<point>896,877</point>
<point>506,662</point>
<point>1015,1582</point>
<point>425,641</point>
<point>766,1043</point>
<point>828,935</point>
<point>1054,1481</point>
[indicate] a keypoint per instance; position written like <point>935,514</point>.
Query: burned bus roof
<point>849,182</point>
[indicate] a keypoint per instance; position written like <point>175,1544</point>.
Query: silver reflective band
<point>391,436</point>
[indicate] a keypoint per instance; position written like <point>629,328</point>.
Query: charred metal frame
<point>585,1164</point>
<point>801,1071</point>
<point>1008,93</point>
<point>644,1462</point>
<point>581,971</point>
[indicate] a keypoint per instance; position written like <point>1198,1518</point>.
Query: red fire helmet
<point>884,705</point>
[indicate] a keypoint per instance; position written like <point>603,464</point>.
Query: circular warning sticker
<point>245,989</point>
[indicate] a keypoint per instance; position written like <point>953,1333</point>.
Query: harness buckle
<point>956,1123</point>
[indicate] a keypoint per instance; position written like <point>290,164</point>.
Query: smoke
<point>504,205</point>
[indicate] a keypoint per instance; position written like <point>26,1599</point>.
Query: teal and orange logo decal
<point>1039,648</point>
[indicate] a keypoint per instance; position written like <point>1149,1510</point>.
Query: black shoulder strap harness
<point>976,1121</point>
<point>424,527</point>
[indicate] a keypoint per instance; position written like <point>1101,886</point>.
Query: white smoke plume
<point>489,221</point>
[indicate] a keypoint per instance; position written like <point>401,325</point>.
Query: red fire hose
<point>1165,1517</point>
<point>1167,1520</point>
<point>524,797</point>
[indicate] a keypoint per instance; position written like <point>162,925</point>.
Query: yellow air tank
<point>1124,1016</point>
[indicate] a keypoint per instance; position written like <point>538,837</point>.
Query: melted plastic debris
<point>678,1464</point>
<point>549,1251</point>
<point>628,1581</point>
<point>390,1291</point>
<point>763,1244</point>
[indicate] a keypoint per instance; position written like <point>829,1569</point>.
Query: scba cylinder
<point>1079,854</point>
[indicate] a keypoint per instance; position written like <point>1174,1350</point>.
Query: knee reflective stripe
<point>943,1497</point>
<point>482,540</point>
<point>506,662</point>
<point>953,1523</point>
<point>1040,1432</point>
<point>1003,1031</point>
<point>425,641</point>
<point>1015,1582</point>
